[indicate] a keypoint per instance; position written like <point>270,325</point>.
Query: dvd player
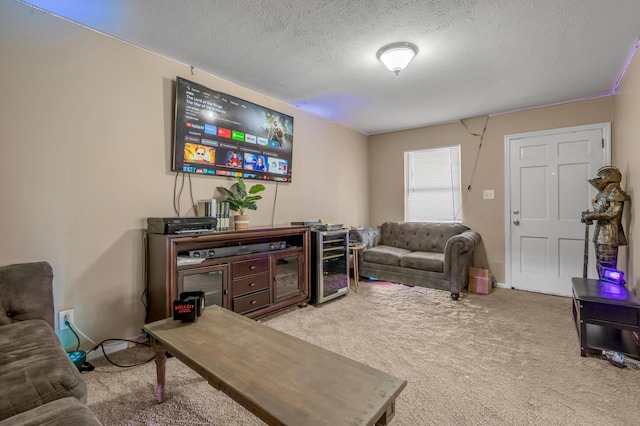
<point>179,225</point>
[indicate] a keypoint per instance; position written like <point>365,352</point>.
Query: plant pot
<point>241,221</point>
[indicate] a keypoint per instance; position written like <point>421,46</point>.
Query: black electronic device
<point>220,135</point>
<point>189,307</point>
<point>178,225</point>
<point>237,250</point>
<point>306,223</point>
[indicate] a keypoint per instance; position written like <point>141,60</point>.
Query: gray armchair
<point>40,384</point>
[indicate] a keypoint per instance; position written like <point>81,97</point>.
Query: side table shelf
<point>607,316</point>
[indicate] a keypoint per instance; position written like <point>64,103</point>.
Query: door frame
<point>605,127</point>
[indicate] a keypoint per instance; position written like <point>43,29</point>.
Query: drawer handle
<point>253,302</point>
<point>252,267</point>
<point>252,285</point>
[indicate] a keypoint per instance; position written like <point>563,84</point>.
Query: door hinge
<point>602,143</point>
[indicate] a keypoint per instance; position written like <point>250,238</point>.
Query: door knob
<point>516,222</point>
<point>516,211</point>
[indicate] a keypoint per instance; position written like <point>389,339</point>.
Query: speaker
<point>203,253</point>
<point>237,250</point>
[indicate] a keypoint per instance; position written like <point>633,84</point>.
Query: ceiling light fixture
<point>396,56</point>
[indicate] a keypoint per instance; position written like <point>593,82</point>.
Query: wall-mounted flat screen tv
<point>219,134</point>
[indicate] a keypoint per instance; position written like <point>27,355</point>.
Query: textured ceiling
<point>475,58</point>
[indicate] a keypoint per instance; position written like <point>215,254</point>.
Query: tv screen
<point>219,134</point>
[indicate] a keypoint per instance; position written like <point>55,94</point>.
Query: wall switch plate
<point>488,194</point>
<point>68,313</point>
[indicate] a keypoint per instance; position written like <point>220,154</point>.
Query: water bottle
<point>620,360</point>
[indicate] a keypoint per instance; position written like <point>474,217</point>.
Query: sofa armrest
<point>462,243</point>
<point>370,237</point>
<point>458,257</point>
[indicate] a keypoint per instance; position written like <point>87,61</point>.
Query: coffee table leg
<point>161,362</point>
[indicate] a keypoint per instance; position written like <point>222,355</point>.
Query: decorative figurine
<point>607,212</point>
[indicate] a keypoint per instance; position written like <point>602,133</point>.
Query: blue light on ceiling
<point>86,12</point>
<point>336,107</point>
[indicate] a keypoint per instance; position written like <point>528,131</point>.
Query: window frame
<point>455,184</point>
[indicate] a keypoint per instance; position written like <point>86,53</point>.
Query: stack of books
<point>222,214</point>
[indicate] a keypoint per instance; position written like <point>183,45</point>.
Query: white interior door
<point>547,191</point>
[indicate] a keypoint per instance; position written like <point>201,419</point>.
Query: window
<point>432,185</point>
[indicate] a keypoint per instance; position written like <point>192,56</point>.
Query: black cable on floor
<point>101,345</point>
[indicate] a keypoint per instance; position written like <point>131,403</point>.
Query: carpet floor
<point>507,358</point>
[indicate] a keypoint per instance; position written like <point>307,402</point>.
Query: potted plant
<point>240,200</point>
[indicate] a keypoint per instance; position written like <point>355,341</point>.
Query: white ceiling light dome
<point>396,56</point>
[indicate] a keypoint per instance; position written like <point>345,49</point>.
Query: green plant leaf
<point>257,188</point>
<point>238,198</point>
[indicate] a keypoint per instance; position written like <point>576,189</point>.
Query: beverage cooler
<point>329,265</point>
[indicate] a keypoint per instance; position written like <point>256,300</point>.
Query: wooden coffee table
<point>281,379</point>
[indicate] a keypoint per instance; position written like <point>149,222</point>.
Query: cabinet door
<point>210,279</point>
<point>288,276</point>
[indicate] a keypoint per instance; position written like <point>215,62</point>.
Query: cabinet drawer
<point>251,302</point>
<point>250,284</point>
<point>250,267</point>
<point>621,315</point>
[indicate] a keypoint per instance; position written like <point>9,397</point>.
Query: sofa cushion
<point>27,292</point>
<point>426,261</point>
<point>66,411</point>
<point>420,236</point>
<point>384,255</point>
<point>34,368</point>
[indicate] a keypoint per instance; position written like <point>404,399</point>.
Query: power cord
<point>66,321</point>
<point>178,193</point>
<point>275,198</point>
<point>79,357</point>
<point>70,324</point>
<point>101,345</point>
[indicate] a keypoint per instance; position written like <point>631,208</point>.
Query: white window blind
<point>432,185</point>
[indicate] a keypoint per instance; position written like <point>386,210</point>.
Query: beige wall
<point>485,216</point>
<point>626,156</point>
<point>85,158</point>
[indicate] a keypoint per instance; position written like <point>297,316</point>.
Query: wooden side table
<point>355,249</point>
<point>607,316</point>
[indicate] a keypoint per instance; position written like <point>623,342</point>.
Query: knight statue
<point>607,213</point>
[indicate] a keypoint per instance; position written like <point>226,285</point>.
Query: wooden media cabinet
<point>253,272</point>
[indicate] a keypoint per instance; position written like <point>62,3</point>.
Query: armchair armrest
<point>370,237</point>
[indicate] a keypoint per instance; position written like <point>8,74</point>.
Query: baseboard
<point>501,285</point>
<point>116,346</point>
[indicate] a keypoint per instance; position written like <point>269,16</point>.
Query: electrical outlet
<point>488,194</point>
<point>61,315</point>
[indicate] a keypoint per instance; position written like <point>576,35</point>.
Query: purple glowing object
<point>613,276</point>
